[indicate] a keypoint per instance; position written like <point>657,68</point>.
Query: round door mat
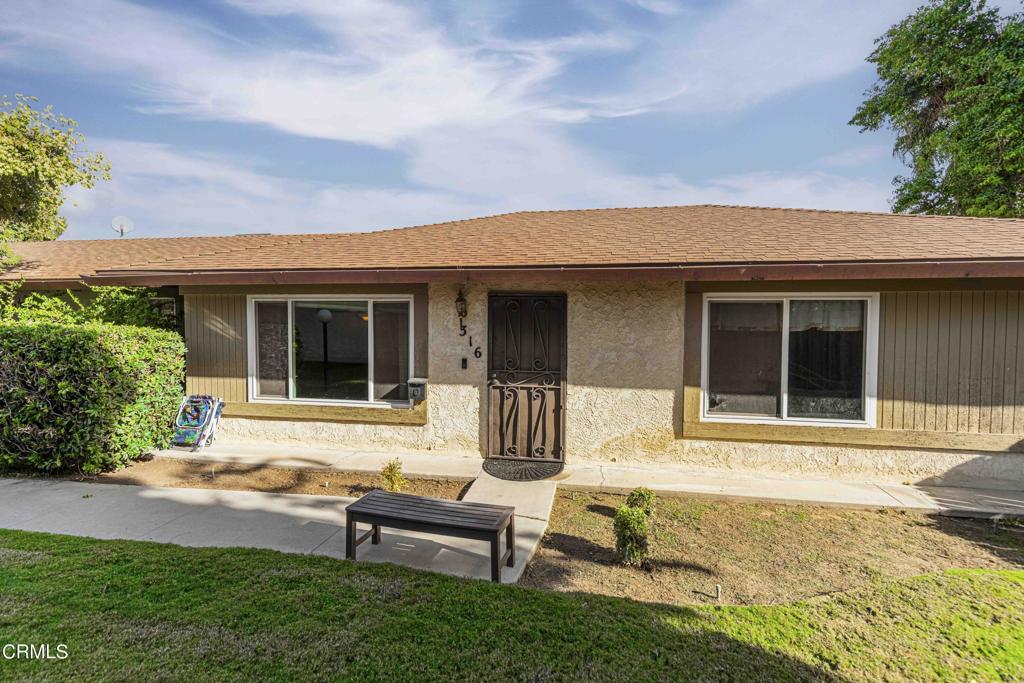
<point>522,470</point>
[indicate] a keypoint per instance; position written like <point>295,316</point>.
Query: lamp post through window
<point>324,316</point>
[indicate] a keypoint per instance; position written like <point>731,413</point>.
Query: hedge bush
<point>631,535</point>
<point>89,397</point>
<point>644,499</point>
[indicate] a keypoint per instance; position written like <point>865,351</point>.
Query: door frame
<point>564,343</point>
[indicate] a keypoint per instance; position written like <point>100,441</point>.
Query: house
<point>830,342</point>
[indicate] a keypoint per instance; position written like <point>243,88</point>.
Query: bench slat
<point>408,511</point>
<point>409,499</point>
<point>448,513</point>
<point>430,518</point>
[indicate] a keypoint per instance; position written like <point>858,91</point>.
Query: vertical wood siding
<point>215,337</point>
<point>950,362</point>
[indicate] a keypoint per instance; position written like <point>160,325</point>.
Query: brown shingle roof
<point>690,235</point>
<point>68,260</point>
<point>670,235</point>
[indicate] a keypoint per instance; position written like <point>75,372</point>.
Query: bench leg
<point>350,537</point>
<point>510,541</point>
<point>376,535</point>
<point>496,558</point>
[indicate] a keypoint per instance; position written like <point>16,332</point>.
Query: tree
<point>951,86</point>
<point>40,158</point>
<point>116,305</point>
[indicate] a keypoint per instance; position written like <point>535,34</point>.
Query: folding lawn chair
<point>196,423</point>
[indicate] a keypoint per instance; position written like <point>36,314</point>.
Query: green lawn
<point>139,611</point>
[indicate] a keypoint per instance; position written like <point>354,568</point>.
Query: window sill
<point>789,422</point>
<point>415,416</point>
<point>846,436</point>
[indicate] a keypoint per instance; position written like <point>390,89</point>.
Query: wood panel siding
<point>215,337</point>
<point>951,373</point>
<point>949,362</point>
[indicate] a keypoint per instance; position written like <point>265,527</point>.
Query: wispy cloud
<point>657,6</point>
<point>480,116</point>
<point>176,192</point>
<point>382,72</point>
<point>748,51</point>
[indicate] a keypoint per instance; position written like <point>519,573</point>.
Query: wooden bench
<point>433,515</point>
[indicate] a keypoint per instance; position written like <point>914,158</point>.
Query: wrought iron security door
<point>526,375</point>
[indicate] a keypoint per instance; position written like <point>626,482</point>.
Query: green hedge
<point>87,397</point>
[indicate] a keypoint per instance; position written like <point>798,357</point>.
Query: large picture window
<point>796,359</point>
<point>330,350</point>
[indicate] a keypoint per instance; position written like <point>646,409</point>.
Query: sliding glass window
<point>331,350</point>
<point>789,359</point>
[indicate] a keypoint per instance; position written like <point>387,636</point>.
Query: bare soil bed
<point>196,475</point>
<point>759,553</point>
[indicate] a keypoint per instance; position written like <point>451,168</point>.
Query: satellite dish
<point>122,225</point>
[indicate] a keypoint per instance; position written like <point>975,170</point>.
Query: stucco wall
<point>624,396</point>
<point>624,376</point>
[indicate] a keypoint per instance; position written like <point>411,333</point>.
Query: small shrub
<point>642,498</point>
<point>90,397</point>
<point>392,475</point>
<point>631,531</point>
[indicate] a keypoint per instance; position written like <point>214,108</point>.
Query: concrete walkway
<point>289,523</point>
<point>663,477</point>
<point>668,478</point>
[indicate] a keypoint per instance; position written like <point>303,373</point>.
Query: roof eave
<point>28,283</point>
<point>691,272</point>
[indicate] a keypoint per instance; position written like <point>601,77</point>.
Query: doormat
<point>522,470</point>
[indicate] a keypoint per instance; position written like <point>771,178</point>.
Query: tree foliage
<point>115,305</point>
<point>41,157</point>
<point>951,86</point>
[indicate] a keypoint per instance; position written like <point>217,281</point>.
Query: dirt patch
<point>196,475</point>
<point>759,553</point>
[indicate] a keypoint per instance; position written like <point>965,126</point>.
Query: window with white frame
<point>806,359</point>
<point>330,349</point>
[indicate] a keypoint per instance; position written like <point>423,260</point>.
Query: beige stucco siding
<point>949,397</point>
<point>624,374</point>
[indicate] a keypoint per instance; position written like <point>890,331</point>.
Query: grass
<point>130,610</point>
<point>759,553</point>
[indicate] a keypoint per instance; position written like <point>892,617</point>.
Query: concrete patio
<point>285,522</point>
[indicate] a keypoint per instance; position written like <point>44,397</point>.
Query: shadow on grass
<point>604,510</point>
<point>261,614</point>
<point>1001,538</point>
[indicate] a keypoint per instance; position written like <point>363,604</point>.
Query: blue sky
<point>324,115</point>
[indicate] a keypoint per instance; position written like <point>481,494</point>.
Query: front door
<point>526,376</point>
